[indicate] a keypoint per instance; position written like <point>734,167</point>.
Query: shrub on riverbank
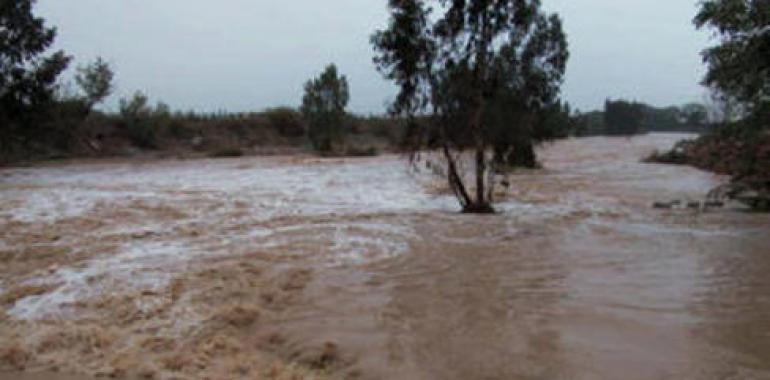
<point>740,150</point>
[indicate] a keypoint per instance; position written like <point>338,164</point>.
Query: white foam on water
<point>316,208</point>
<point>322,200</point>
<point>372,186</point>
<point>138,266</point>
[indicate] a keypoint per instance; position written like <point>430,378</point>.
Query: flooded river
<point>308,268</point>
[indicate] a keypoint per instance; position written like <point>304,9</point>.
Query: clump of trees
<point>36,114</point>
<point>69,110</point>
<point>624,118</point>
<point>323,107</point>
<point>472,76</point>
<point>140,122</point>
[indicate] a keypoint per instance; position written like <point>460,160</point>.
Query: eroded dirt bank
<point>305,268</point>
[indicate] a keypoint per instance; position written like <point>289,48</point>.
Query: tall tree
<point>739,65</point>
<point>471,66</point>
<point>323,106</point>
<point>27,77</point>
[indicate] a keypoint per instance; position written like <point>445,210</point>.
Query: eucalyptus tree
<point>739,65</point>
<point>476,70</point>
<point>323,107</point>
<point>27,76</point>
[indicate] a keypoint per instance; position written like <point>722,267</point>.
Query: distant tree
<point>660,119</point>
<point>135,107</point>
<point>136,120</point>
<point>551,121</point>
<point>592,123</point>
<point>27,78</point>
<point>739,65</point>
<point>470,67</point>
<point>323,107</point>
<point>622,118</point>
<point>95,81</point>
<point>555,121</point>
<point>162,110</point>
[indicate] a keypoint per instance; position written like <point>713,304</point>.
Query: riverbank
<point>743,156</point>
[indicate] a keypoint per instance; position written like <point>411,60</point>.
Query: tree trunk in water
<point>455,182</point>
<point>481,205</point>
<point>480,170</point>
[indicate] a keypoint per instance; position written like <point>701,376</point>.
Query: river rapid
<point>359,269</point>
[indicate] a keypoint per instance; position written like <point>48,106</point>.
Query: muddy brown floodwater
<point>299,268</point>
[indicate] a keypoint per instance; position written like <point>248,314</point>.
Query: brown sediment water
<point>305,268</point>
<point>40,376</point>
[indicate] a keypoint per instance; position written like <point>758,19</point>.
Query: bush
<point>286,121</point>
<point>739,150</point>
<point>135,121</point>
<point>678,155</point>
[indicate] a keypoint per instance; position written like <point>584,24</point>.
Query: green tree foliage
<point>556,121</point>
<point>622,118</point>
<point>95,81</point>
<point>27,77</point>
<point>136,118</point>
<point>739,66</point>
<point>479,69</point>
<point>323,107</point>
<point>549,122</point>
<point>532,71</point>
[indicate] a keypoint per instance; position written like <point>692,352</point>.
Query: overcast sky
<point>241,55</point>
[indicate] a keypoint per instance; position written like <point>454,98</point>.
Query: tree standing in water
<point>458,63</point>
